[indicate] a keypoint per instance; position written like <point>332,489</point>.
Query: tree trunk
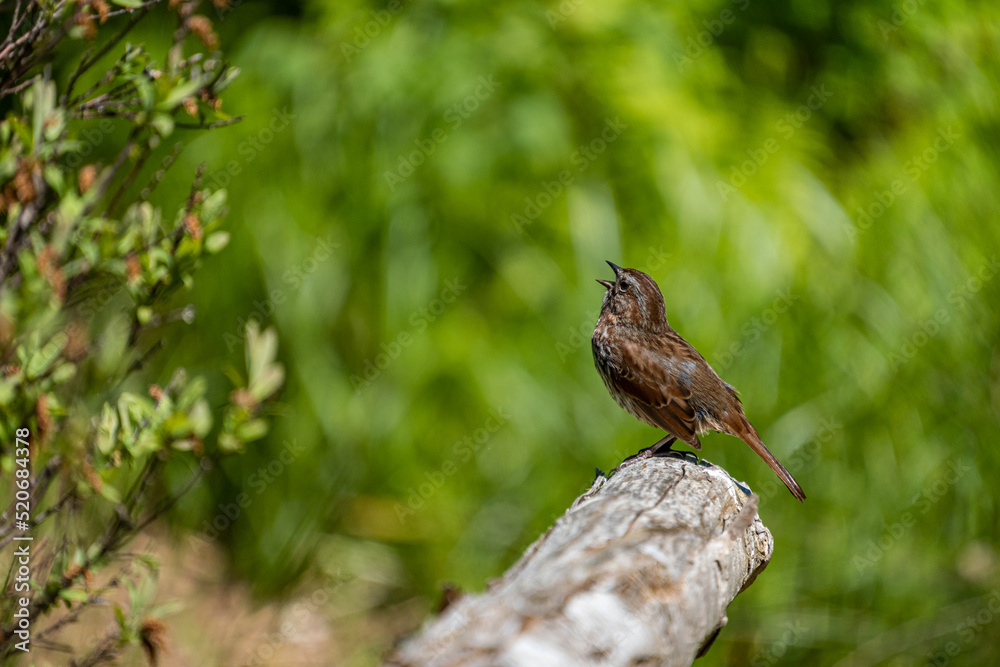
<point>638,571</point>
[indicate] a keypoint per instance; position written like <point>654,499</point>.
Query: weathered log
<point>638,571</point>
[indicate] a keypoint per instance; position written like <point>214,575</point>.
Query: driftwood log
<point>638,571</point>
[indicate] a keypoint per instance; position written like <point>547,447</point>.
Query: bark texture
<point>638,571</point>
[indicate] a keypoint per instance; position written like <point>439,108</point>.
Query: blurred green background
<point>422,195</point>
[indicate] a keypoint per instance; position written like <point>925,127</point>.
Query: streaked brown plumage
<point>659,378</point>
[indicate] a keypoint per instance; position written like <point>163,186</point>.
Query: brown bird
<point>659,378</point>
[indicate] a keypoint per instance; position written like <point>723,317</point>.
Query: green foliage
<point>748,164</point>
<point>421,197</point>
<point>91,273</point>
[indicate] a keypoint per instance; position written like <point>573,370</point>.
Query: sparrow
<point>660,379</point>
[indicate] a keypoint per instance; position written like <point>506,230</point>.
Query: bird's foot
<point>663,444</point>
<point>635,458</point>
<point>661,448</point>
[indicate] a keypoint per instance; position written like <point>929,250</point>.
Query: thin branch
<point>15,22</point>
<point>169,161</point>
<point>105,101</point>
<point>38,488</point>
<point>172,500</point>
<point>14,90</point>
<point>209,126</point>
<point>49,511</point>
<point>105,183</point>
<point>57,647</point>
<point>106,651</point>
<point>73,615</point>
<point>87,63</point>
<point>129,178</point>
<point>113,71</point>
<point>140,485</point>
<point>90,115</point>
<point>122,529</point>
<point>119,12</point>
<point>17,235</point>
<point>141,361</point>
<point>28,43</point>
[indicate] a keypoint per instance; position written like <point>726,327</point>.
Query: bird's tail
<point>748,434</point>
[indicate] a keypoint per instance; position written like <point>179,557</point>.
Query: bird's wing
<point>659,390</point>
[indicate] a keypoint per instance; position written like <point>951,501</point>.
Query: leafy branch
<point>89,272</point>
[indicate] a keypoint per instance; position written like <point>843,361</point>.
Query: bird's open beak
<point>608,283</point>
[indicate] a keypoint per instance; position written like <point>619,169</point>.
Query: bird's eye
<point>623,286</point>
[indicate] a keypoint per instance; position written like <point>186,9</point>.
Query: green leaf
<point>42,359</point>
<point>73,595</point>
<point>132,410</point>
<point>7,386</point>
<point>216,242</point>
<point>194,390</point>
<point>163,124</point>
<point>147,590</point>
<point>262,347</point>
<point>211,208</point>
<point>42,100</point>
<point>181,91</point>
<point>120,617</point>
<point>107,430</point>
<point>112,345</point>
<point>265,376</point>
<point>227,78</point>
<point>229,444</point>
<point>149,441</point>
<point>151,562</point>
<point>267,381</point>
<point>111,493</point>
<point>55,123</point>
<point>147,93</point>
<point>54,177</point>
<point>171,608</point>
<point>201,418</point>
<point>252,430</point>
<point>63,372</point>
<point>131,4</point>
